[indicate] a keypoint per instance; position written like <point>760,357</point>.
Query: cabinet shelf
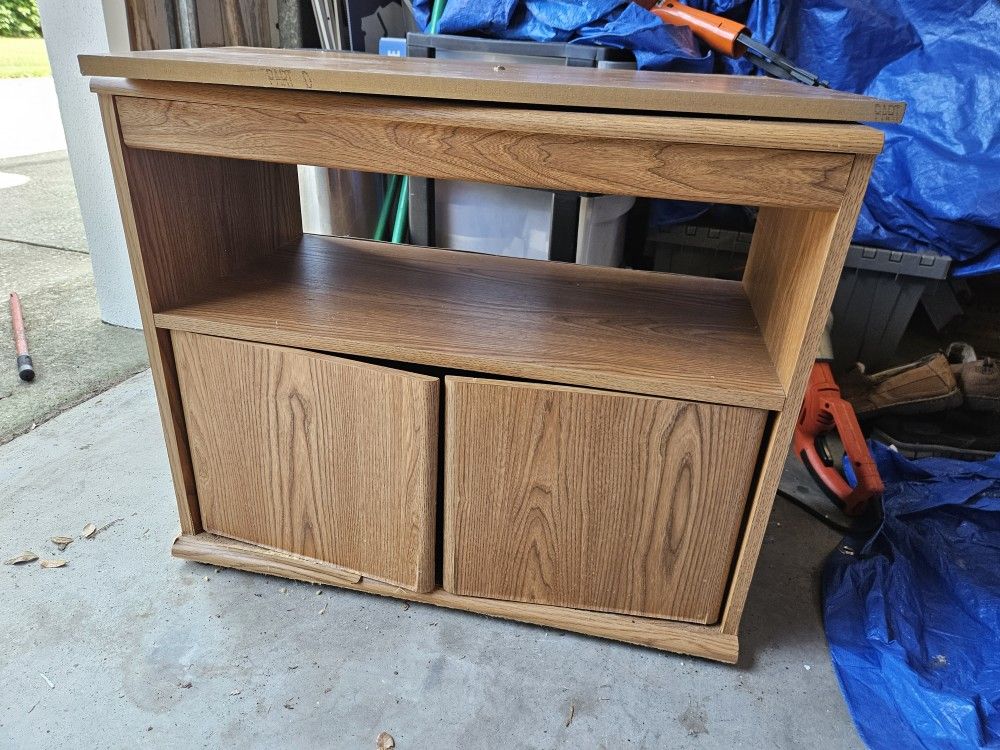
<point>634,331</point>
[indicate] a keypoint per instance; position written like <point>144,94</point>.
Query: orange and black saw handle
<point>721,34</point>
<point>730,38</point>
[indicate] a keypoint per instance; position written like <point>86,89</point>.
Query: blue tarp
<point>937,185</point>
<point>912,614</point>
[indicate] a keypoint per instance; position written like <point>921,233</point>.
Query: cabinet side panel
<point>157,341</point>
<point>200,218</point>
<point>791,277</point>
<point>188,219</point>
<point>314,455</point>
<point>595,500</point>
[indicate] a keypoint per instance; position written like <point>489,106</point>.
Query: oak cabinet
<point>611,439</point>
<point>316,455</point>
<point>592,499</point>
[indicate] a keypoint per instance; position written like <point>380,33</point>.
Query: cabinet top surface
<point>642,91</point>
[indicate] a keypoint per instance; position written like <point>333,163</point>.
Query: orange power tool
<point>730,38</point>
<point>825,411</point>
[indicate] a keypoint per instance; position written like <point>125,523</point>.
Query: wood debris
<point>237,691</point>
<point>186,684</point>
<point>89,530</point>
<point>52,563</point>
<point>62,542</point>
<point>109,524</point>
<point>384,741</point>
<point>25,557</point>
<point>48,682</point>
<point>572,713</point>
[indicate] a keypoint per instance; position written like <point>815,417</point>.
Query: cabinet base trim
<point>706,641</point>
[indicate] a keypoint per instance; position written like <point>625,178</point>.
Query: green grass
<point>23,58</point>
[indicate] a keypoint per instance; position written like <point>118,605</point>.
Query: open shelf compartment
<point>632,331</point>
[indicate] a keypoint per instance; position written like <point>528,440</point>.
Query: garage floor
<point>128,647</point>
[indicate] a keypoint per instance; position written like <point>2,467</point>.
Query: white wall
<point>71,29</point>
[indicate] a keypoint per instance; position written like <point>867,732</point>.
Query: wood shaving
<point>25,557</point>
<point>108,525</point>
<point>62,542</point>
<point>52,563</point>
<point>89,530</point>
<point>48,682</point>
<point>384,741</point>
<point>572,713</point>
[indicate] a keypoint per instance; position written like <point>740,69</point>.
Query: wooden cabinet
<point>619,481</point>
<point>593,500</point>
<point>323,457</point>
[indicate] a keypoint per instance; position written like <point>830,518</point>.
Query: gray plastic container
<point>878,291</point>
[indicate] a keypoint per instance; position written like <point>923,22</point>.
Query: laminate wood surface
<point>795,301</point>
<point>697,640</point>
<point>836,137</point>
<point>201,218</point>
<point>740,96</point>
<point>593,500</point>
<point>655,168</point>
<point>313,455</point>
<point>609,328</point>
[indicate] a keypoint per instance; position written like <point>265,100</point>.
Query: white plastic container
<point>517,222</point>
<point>600,236</point>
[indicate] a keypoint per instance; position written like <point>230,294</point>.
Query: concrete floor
<point>143,650</point>
<point>43,258</point>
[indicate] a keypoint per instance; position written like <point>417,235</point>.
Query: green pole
<point>383,212</point>
<point>436,10</point>
<point>402,207</point>
<point>399,228</point>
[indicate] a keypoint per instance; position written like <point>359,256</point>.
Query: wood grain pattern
<point>650,168</point>
<point>150,25</point>
<point>314,455</point>
<point>161,362</point>
<point>786,135</point>
<point>606,501</point>
<point>188,220</point>
<point>608,328</point>
<point>783,272</point>
<point>199,219</point>
<point>697,640</point>
<point>246,22</point>
<point>804,296</point>
<point>740,96</point>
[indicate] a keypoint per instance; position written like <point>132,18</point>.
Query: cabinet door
<point>594,500</point>
<point>320,456</point>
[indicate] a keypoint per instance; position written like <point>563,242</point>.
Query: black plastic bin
<point>878,291</point>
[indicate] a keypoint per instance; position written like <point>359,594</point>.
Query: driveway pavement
<point>44,257</point>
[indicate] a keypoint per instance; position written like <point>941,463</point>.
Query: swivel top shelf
<point>524,84</point>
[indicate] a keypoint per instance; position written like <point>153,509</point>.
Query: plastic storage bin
<point>878,291</point>
<point>519,222</point>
